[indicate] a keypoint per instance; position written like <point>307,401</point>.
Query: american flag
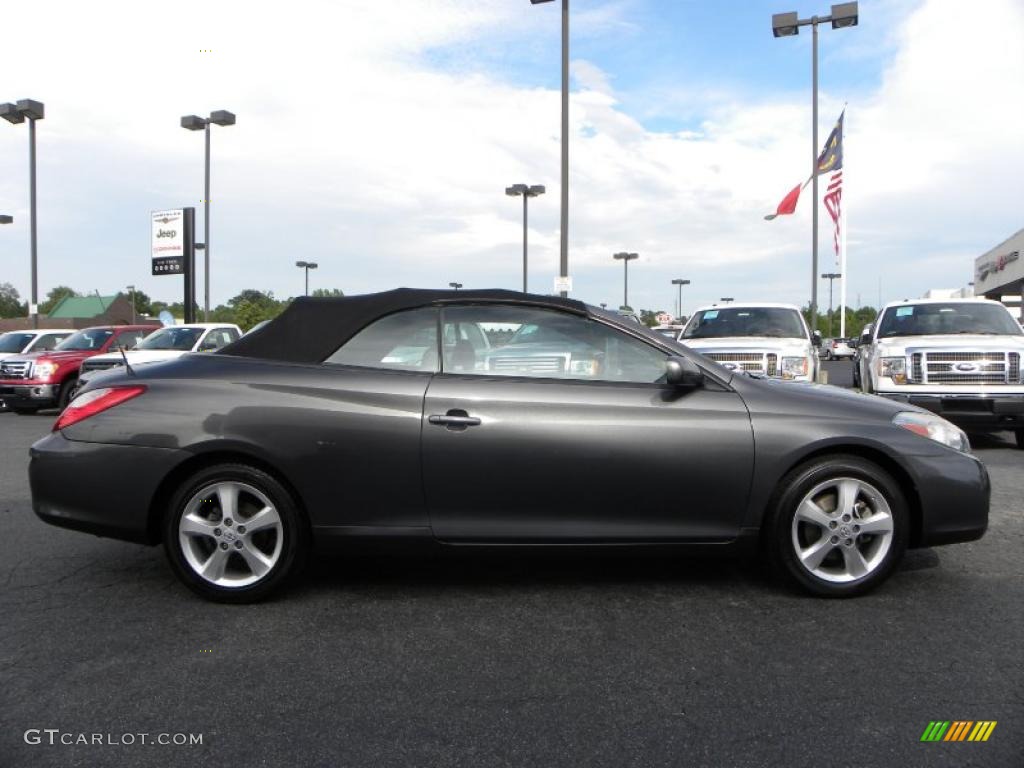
<point>833,204</point>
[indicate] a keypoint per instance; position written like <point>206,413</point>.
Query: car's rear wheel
<point>839,527</point>
<point>234,534</point>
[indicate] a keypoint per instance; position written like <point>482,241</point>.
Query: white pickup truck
<point>762,339</point>
<point>960,358</point>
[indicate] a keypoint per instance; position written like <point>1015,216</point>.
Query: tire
<point>1019,434</point>
<point>25,410</point>
<point>843,562</point>
<point>242,565</point>
<point>65,393</point>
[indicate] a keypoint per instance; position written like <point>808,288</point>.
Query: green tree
<point>248,313</point>
<point>54,297</point>
<point>328,292</point>
<point>143,304</point>
<point>11,304</point>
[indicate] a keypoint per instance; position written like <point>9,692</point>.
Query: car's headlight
<point>933,427</point>
<point>894,368</point>
<point>793,367</point>
<point>45,370</point>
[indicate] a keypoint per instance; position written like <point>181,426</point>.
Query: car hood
<point>947,341</point>
<point>536,348</point>
<point>806,398</point>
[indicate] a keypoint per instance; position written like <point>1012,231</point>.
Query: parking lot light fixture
<point>195,123</point>
<point>679,300</point>
<point>307,265</point>
<point>456,286</point>
<point>16,114</point>
<point>788,25</point>
<point>5,219</point>
<point>726,299</point>
<point>527,192</point>
<point>625,258</point>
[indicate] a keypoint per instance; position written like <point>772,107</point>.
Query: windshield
<point>15,342</point>
<point>723,322</point>
<point>172,338</point>
<point>943,319</point>
<point>85,340</point>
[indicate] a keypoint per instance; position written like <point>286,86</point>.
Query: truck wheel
<point>64,395</point>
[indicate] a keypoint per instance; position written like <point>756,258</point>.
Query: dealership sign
<point>167,241</point>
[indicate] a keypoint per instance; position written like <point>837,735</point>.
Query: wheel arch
<point>219,454</point>
<point>868,453</point>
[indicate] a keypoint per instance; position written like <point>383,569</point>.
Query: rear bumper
<point>28,393</point>
<point>106,490</point>
<point>980,412</point>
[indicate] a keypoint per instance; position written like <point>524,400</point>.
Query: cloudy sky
<point>376,138</point>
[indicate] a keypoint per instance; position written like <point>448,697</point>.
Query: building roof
<point>81,306</point>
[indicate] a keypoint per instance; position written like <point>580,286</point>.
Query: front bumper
<point>27,393</point>
<point>954,491</point>
<point>970,411</point>
<point>104,489</point>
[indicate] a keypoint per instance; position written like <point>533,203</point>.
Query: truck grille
<point>965,367</point>
<point>529,365</point>
<point>99,365</point>
<point>16,370</point>
<point>754,362</point>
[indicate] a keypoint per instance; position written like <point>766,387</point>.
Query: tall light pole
<point>306,265</point>
<point>195,123</point>
<point>830,276</point>
<point>563,262</point>
<point>625,258</point>
<point>131,290</point>
<point>456,286</point>
<point>787,25</point>
<point>679,299</point>
<point>527,193</point>
<point>14,114</point>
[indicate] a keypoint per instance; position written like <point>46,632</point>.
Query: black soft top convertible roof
<point>311,329</point>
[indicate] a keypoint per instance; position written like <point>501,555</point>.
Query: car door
<point>563,432</point>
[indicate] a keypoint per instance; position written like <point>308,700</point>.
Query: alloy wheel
<point>842,530</point>
<point>231,534</point>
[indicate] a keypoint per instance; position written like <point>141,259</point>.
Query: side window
<point>128,339</point>
<point>48,341</point>
<point>405,341</point>
<point>541,343</point>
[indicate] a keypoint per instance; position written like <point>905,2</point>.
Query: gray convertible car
<point>495,418</point>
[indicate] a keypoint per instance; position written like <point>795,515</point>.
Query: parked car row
<point>43,376</point>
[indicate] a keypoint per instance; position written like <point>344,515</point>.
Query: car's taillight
<point>91,403</point>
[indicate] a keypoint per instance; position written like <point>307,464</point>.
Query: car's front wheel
<point>234,534</point>
<point>839,527</point>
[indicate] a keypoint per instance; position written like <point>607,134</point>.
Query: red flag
<point>788,204</point>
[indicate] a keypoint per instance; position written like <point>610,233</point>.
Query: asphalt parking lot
<point>511,659</point>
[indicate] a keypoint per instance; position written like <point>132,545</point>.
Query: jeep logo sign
<point>168,234</point>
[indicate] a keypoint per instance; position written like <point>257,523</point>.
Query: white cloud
<point>351,149</point>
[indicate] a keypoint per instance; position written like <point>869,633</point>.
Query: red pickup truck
<point>45,379</point>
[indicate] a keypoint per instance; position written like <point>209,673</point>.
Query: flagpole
<point>842,235</point>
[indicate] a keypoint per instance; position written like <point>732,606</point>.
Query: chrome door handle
<point>454,420</point>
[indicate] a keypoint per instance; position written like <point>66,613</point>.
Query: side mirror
<point>865,339</point>
<point>816,338</point>
<point>683,373</point>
